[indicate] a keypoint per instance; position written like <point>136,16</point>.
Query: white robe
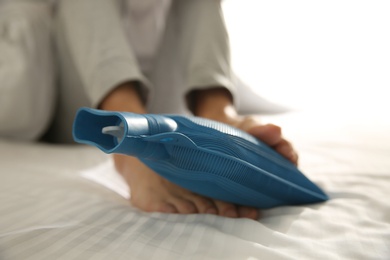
<point>169,47</point>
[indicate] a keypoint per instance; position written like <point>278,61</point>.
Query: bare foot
<point>152,193</point>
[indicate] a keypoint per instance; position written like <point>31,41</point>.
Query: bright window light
<point>331,55</point>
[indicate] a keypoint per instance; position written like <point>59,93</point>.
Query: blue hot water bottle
<point>204,156</point>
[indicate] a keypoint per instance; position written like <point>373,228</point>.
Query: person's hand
<point>268,133</point>
<point>216,104</point>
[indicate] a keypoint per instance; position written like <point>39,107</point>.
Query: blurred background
<point>327,57</point>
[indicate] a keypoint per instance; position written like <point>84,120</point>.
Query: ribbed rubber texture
<point>233,166</point>
<point>204,156</point>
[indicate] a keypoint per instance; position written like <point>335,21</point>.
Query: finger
<point>249,122</point>
<point>269,134</point>
<point>286,149</point>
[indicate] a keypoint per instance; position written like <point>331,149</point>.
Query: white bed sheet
<point>51,209</point>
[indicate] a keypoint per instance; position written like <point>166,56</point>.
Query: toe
<point>184,206</point>
<point>166,208</point>
<point>226,209</point>
<point>203,204</point>
<point>157,205</point>
<point>248,212</point>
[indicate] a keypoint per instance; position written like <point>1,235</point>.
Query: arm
<point>217,104</point>
<point>98,46</point>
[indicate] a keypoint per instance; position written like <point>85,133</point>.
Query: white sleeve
<point>27,93</point>
<point>99,48</point>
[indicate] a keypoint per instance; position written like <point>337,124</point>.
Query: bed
<point>67,202</point>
